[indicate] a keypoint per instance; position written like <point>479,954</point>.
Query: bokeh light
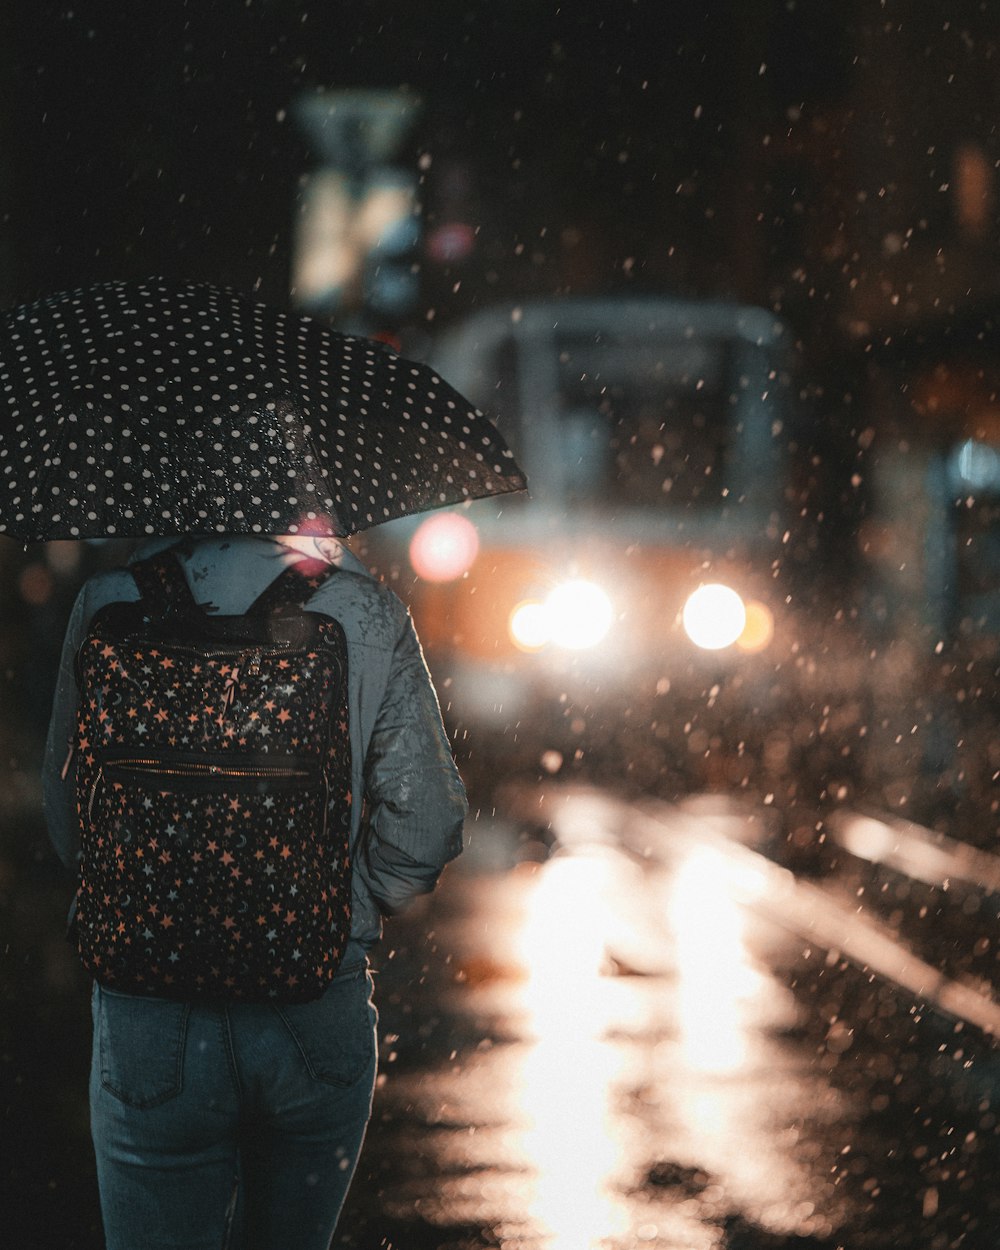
<point>444,547</point>
<point>759,628</point>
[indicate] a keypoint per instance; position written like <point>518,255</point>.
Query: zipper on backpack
<point>191,769</point>
<point>256,652</point>
<point>157,767</point>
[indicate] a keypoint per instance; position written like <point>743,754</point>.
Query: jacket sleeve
<point>58,766</point>
<point>415,797</point>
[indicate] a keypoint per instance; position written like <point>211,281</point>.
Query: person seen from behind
<point>220,1121</point>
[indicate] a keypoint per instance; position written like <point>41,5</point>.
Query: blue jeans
<point>230,1126</point>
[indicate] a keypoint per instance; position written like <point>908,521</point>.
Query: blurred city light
<point>444,547</point>
<point>35,584</point>
<point>759,628</point>
<point>454,241</point>
<point>714,616</point>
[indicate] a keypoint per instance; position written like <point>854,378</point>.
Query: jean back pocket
<point>335,1034</point>
<point>140,1046</point>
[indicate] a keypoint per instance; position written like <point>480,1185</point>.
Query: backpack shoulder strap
<point>294,585</point>
<point>162,583</point>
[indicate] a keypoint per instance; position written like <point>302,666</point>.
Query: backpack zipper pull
<point>93,794</point>
<point>229,691</point>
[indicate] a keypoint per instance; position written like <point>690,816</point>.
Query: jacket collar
<point>265,546</point>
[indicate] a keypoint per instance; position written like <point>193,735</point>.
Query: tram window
<point>644,422</point>
<point>977,532</point>
<point>975,465</point>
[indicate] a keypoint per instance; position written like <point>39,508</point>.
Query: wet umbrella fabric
<point>184,408</point>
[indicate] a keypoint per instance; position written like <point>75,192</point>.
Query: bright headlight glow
<point>579,615</point>
<point>444,547</point>
<point>529,626</point>
<point>759,629</point>
<point>575,615</point>
<point>714,617</point>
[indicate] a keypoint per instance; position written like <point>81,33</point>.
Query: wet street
<point>657,1037</point>
<point>618,1026</point>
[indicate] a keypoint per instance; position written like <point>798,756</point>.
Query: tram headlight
<point>714,616</point>
<point>579,614</point>
<point>529,626</point>
<point>576,615</point>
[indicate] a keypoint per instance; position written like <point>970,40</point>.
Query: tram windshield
<point>676,410</point>
<point>643,423</point>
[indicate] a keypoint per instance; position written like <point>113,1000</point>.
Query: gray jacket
<point>415,802</point>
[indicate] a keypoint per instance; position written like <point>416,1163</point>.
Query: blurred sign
<point>358,228</point>
<point>354,130</point>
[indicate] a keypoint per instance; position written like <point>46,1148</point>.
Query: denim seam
<point>226,1034</point>
<point>290,1028</point>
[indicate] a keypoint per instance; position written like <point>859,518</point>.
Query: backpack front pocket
<point>210,877</point>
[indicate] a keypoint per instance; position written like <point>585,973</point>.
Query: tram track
<point>900,902</point>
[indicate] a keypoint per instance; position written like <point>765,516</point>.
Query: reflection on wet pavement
<point>718,989</point>
<point>564,1080</point>
<point>727,1009</point>
<point>636,1086</point>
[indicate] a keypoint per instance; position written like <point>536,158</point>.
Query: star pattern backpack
<point>213,788</point>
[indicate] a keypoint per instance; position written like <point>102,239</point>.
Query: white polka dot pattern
<point>164,408</point>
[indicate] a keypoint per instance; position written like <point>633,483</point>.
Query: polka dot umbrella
<point>183,408</point>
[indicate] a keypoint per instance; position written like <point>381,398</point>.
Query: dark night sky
<point>709,148</point>
<point>147,146</point>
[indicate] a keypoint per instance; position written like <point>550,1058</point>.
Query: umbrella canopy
<point>183,408</point>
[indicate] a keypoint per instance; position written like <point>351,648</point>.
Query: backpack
<point>213,789</point>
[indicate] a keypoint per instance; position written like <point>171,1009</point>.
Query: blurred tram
<point>646,560</point>
<point>713,584</point>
